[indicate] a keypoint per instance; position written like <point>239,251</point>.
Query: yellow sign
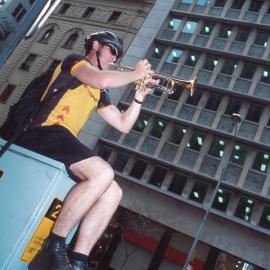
<point>42,231</point>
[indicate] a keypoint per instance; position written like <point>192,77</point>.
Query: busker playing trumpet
<point>80,84</point>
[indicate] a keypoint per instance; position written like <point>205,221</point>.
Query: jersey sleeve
<point>105,99</point>
<point>72,62</point>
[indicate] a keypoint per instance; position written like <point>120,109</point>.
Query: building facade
<point>182,145</point>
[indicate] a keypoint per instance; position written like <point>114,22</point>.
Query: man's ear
<point>96,45</point>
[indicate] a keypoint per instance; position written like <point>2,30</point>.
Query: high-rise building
<point>182,146</point>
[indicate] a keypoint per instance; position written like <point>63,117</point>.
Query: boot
<point>52,256</point>
<point>78,265</point>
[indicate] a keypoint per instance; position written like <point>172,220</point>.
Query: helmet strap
<point>98,60</point>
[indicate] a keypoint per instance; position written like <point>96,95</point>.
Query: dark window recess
<point>245,208</point>
<point>158,128</point>
<point>19,12</point>
<point>196,141</point>
<point>234,106</point>
<point>69,44</point>
<point>88,12</point>
<point>229,66</point>
<point>237,4</point>
<point>157,52</point>
<point>28,62</point>
<point>266,75</point>
<point>157,176</point>
<point>225,31</point>
<point>7,92</point>
<point>53,65</point>
<point>138,169</point>
<point>47,35</point>
<point>265,218</point>
<point>199,191</point>
<point>213,102</point>
<point>239,153</point>
<point>194,100</point>
<point>178,90</point>
<point>105,152</point>
<point>221,200</point>
<point>64,8</point>
<point>248,71</point>
<point>141,123</point>
<point>255,6</point>
<point>268,123</point>
<point>207,29</point>
<point>217,147</point>
<point>121,161</point>
<point>220,3</point>
<point>261,39</point>
<point>210,62</point>
<point>242,34</point>
<point>114,17</point>
<point>177,134</point>
<point>254,113</point>
<point>178,183</point>
<point>261,161</point>
<point>192,59</point>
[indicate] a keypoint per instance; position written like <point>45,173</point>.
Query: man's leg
<point>96,176</point>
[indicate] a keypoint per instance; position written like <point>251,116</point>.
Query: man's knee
<point>116,192</point>
<point>91,168</point>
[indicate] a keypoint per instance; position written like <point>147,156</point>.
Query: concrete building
<point>181,146</point>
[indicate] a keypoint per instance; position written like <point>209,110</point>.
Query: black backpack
<point>21,113</point>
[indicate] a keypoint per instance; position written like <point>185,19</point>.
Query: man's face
<point>108,55</point>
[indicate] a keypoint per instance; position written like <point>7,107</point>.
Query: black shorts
<point>55,142</point>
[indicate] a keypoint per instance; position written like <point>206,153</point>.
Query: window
<point>254,113</point>
<point>194,100</point>
<point>174,24</point>
<point>64,8</point>
<point>174,56</point>
<point>158,128</point>
<point>261,161</point>
<point>190,27</point>
<point>186,1</point>
<point>138,169</point>
<point>199,191</point>
<point>192,59</point>
<point>229,66</point>
<point>178,183</point>
<point>245,208</point>
<point>196,141</point>
<point>255,6</point>
<point>157,53</point>
<point>220,3</point>
<point>88,12</point>
<point>7,92</point>
<point>237,4</point>
<point>157,176</point>
<point>242,34</point>
<point>261,39</point>
<point>69,44</point>
<point>202,2</point>
<point>114,17</point>
<point>105,152</point>
<point>266,75</point>
<point>210,62</point>
<point>213,102</point>
<point>141,123</point>
<point>19,12</point>
<point>178,90</point>
<point>28,62</point>
<point>217,147</point>
<point>265,218</point>
<point>221,200</point>
<point>248,71</point>
<point>177,134</point>
<point>207,29</point>
<point>121,161</point>
<point>239,153</point>
<point>225,31</point>
<point>47,35</point>
<point>234,106</point>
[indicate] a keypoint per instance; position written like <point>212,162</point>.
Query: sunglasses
<point>113,50</point>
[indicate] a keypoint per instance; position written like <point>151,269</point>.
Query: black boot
<point>52,256</point>
<point>78,265</point>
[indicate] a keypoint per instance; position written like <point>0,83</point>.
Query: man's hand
<point>143,70</point>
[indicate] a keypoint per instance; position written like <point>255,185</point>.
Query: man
<point>78,86</point>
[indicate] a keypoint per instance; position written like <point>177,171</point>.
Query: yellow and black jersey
<point>67,101</point>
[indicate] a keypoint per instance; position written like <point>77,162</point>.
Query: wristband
<point>137,101</point>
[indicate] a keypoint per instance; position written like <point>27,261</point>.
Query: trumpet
<point>166,84</point>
